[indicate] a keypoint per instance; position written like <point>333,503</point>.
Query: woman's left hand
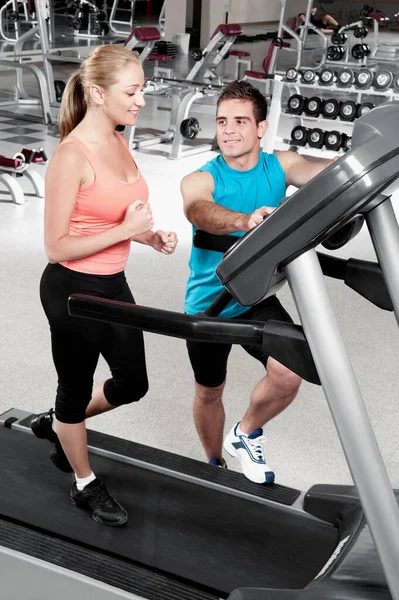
<point>164,241</point>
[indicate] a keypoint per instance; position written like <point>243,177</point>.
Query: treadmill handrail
<point>286,342</point>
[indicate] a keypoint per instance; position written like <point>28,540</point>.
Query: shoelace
<point>101,494</point>
<point>256,446</point>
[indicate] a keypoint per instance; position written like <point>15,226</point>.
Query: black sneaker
<point>42,428</point>
<point>96,499</point>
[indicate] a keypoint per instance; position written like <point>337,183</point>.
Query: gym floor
<point>302,444</point>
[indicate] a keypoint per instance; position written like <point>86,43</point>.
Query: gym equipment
<point>348,110</point>
<point>360,51</point>
<point>183,94</point>
<point>119,9</point>
<point>336,53</point>
<point>313,106</point>
<point>87,19</point>
<point>316,138</point>
<point>14,14</point>
<point>296,104</point>
<point>267,72</point>
<point>299,135</point>
<point>333,140</point>
<point>364,108</point>
<point>395,82</point>
<point>143,35</point>
<point>308,76</point>
<point>339,38</point>
<point>242,62</point>
<point>327,76</point>
<point>345,78</point>
<point>12,169</point>
<point>360,32</point>
<point>347,143</point>
<point>189,128</point>
<point>363,78</point>
<point>218,47</point>
<point>382,80</point>
<point>291,75</point>
<point>283,247</point>
<point>331,108</point>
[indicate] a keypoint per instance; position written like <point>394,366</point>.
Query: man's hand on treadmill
<point>256,217</point>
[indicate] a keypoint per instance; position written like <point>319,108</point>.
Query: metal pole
<point>384,232</point>
<point>348,410</point>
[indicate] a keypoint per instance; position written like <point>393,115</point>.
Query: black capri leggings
<point>77,343</point>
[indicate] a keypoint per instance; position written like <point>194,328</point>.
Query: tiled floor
<point>302,444</point>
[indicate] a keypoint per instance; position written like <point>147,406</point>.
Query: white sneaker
<point>249,450</point>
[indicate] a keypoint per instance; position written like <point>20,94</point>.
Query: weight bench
<point>146,35</point>
<point>218,48</point>
<point>18,166</point>
<point>242,59</point>
<point>161,71</point>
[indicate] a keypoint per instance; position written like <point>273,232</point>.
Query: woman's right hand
<point>138,219</point>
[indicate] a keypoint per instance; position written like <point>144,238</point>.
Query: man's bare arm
<point>298,171</point>
<point>203,212</point>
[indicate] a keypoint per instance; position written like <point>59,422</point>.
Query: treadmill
<point>199,532</point>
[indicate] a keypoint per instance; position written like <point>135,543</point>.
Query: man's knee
<point>285,380</point>
<point>118,393</point>
<point>208,395</point>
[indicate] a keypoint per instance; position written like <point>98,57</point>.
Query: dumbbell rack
<point>275,141</point>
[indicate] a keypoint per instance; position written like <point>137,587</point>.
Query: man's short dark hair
<point>243,90</point>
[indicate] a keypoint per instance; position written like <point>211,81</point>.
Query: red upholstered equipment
<point>160,57</point>
<point>145,34</point>
<point>14,163</point>
<point>240,53</point>
<point>229,29</point>
<point>37,157</point>
<point>255,74</point>
<point>267,61</point>
<point>31,6</point>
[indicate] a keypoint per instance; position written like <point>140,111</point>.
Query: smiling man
<point>231,194</point>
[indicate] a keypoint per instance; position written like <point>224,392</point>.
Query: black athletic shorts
<point>209,360</point>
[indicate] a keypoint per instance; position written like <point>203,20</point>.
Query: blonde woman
<point>96,204</point>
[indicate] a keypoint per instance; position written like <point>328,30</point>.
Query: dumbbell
<point>360,51</point>
<point>363,78</point>
<point>333,140</point>
<point>316,138</point>
<point>196,54</point>
<point>338,38</point>
<point>382,80</point>
<point>348,110</point>
<point>327,77</point>
<point>299,135</point>
<point>308,76</point>
<point>335,53</point>
<point>395,82</point>
<point>296,104</point>
<point>291,74</point>
<point>330,109</point>
<point>347,143</point>
<point>364,108</point>
<point>189,128</point>
<point>360,32</point>
<point>313,106</point>
<point>345,78</point>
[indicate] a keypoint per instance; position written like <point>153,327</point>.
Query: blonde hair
<point>100,67</point>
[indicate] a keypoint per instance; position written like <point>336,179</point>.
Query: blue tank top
<point>242,191</point>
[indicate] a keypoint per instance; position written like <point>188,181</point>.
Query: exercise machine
<point>188,519</point>
<point>182,126</point>
<point>13,169</point>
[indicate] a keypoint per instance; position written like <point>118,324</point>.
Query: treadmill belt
<point>210,538</point>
